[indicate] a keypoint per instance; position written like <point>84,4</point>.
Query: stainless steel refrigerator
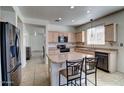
<point>10,54</point>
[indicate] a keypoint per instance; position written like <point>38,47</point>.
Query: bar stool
<point>73,72</point>
<point>90,68</point>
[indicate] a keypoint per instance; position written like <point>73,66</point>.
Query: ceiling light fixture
<point>72,20</point>
<point>71,7</point>
<point>88,11</point>
<point>60,18</point>
<point>35,34</point>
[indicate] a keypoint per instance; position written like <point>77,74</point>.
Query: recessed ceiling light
<point>71,7</point>
<point>72,20</point>
<point>35,34</point>
<point>60,18</point>
<point>88,11</point>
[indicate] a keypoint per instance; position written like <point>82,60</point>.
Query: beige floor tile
<point>27,84</point>
<point>35,73</point>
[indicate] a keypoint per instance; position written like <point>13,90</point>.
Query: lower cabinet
<point>107,60</point>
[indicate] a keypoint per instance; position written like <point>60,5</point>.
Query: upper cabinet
<point>80,37</point>
<point>110,33</point>
<point>63,33</point>
<point>71,37</point>
<point>53,37</point>
<point>50,36</point>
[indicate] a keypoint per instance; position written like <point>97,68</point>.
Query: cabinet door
<point>83,36</point>
<point>50,36</point>
<point>63,34</point>
<point>76,35</point>
<point>79,37</point>
<point>110,32</point>
<point>55,37</point>
<point>71,37</point>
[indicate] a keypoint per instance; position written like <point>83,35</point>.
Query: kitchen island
<point>57,62</point>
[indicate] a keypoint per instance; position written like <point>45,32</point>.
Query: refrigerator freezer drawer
<point>16,77</point>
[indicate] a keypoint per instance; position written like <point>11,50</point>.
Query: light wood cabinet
<point>52,36</point>
<point>55,36</point>
<point>71,37</point>
<point>110,33</point>
<point>63,34</point>
<point>80,37</point>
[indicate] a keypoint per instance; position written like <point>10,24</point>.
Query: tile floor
<point>108,79</point>
<point>36,74</point>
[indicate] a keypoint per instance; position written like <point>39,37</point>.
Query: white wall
<point>119,19</point>
<point>23,46</point>
<point>36,42</point>
<point>20,25</point>
<point>52,27</point>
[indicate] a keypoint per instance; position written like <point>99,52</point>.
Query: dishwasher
<point>102,61</point>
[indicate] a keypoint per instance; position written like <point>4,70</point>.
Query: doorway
<point>36,71</point>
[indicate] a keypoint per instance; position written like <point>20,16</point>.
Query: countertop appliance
<point>10,54</point>
<point>63,48</point>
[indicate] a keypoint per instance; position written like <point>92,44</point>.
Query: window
<point>96,35</point>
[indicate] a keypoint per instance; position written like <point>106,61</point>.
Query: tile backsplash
<point>55,44</point>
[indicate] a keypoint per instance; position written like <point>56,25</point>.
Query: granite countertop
<point>97,49</point>
<point>62,57</point>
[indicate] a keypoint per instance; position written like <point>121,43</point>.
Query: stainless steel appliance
<point>63,48</point>
<point>62,39</point>
<point>102,61</point>
<point>10,54</point>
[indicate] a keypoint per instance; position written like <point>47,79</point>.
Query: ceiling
<point>79,14</point>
